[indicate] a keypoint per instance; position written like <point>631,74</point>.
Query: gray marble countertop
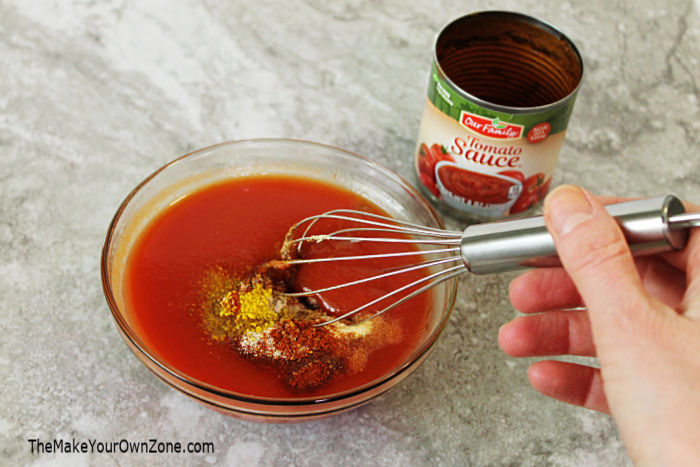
<point>94,96</point>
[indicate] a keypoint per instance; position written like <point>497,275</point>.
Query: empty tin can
<point>502,88</point>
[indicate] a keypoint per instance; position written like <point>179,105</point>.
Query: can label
<point>484,161</point>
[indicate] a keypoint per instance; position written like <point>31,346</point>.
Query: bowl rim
<point>135,342</point>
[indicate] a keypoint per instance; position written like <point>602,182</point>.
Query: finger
<point>543,289</point>
<point>548,289</point>
<point>680,259</point>
<point>691,301</point>
<point>552,333</point>
<point>605,200</point>
<point>595,254</point>
<point>571,383</point>
<point>662,280</point>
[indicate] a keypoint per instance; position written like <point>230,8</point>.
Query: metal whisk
<point>650,226</point>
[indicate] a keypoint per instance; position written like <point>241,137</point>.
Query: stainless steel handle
<point>650,226</point>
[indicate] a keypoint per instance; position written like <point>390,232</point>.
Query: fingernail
<point>567,207</point>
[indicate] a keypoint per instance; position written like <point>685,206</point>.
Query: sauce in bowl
<point>194,253</point>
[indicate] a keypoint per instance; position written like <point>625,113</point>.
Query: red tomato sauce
<point>236,225</point>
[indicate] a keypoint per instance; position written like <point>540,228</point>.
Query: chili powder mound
<point>308,356</point>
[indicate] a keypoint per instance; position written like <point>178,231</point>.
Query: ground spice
<point>250,310</point>
<point>314,354</point>
<point>259,323</point>
<point>234,307</point>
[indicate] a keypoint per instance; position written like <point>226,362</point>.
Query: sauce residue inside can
<point>502,88</point>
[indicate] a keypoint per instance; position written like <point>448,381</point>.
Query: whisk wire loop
<point>362,226</point>
<point>396,254</point>
<point>425,265</point>
<point>446,273</point>
<point>365,218</point>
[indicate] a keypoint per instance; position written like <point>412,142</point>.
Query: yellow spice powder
<point>249,311</point>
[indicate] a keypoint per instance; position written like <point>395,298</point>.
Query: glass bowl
<point>259,157</point>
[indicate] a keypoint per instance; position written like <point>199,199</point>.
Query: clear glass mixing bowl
<point>257,157</point>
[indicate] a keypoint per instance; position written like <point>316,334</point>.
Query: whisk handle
<point>525,243</point>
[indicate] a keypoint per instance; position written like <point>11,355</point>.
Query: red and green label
<point>534,123</point>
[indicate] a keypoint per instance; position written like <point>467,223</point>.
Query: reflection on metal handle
<point>650,226</point>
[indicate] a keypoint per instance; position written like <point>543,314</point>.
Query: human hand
<point>642,321</point>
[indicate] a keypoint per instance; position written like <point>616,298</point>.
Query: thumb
<point>594,253</point>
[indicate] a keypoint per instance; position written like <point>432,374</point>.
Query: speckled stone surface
<point>94,96</point>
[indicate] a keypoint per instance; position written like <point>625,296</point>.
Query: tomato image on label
<point>427,159</point>
<point>535,188</point>
<point>474,186</point>
<point>516,174</point>
<point>544,188</point>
